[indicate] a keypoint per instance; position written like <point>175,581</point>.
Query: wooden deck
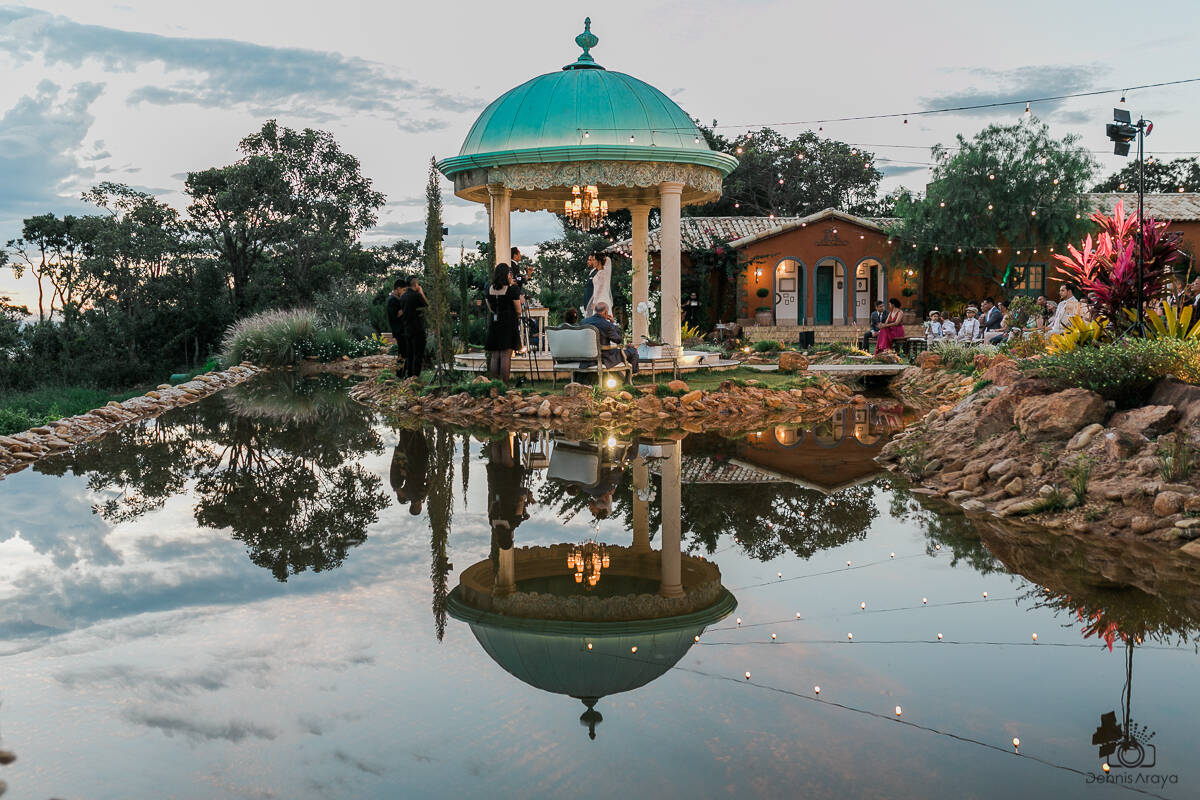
<point>540,365</point>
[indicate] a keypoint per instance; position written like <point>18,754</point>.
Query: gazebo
<point>536,147</point>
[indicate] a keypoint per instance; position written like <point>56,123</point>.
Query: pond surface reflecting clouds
<point>258,596</point>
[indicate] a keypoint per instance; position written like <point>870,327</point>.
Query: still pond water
<point>255,597</point>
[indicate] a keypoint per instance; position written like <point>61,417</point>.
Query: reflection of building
<point>834,454</point>
<point>640,618</point>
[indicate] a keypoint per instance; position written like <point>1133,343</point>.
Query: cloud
<point>892,171</point>
<point>1018,86</point>
<point>196,730</point>
<point>223,73</point>
<point>40,140</point>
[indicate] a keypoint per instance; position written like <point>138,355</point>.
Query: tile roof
<point>740,231</point>
<point>704,231</point>
<point>1178,206</point>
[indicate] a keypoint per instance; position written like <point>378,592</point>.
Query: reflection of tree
<point>279,474</point>
<point>953,531</point>
<point>1113,613</point>
<point>777,517</point>
<point>441,502</point>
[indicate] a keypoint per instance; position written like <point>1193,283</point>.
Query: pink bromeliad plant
<point>1106,270</point>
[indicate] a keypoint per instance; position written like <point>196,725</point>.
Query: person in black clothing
<point>610,332</point>
<point>412,306</point>
<point>504,310</point>
<point>410,469</point>
<point>522,271</point>
<point>507,494</point>
<point>392,308</point>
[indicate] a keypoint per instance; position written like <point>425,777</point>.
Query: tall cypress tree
<point>437,278</point>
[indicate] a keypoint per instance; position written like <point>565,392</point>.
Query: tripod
<point>527,322</point>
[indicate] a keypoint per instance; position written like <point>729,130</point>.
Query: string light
<point>897,711</point>
<point>772,637</point>
<point>631,138</point>
<point>1016,743</point>
<point>747,676</point>
<point>816,690</point>
<point>850,637</point>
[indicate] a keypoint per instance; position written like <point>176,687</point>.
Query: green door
<point>823,296</point>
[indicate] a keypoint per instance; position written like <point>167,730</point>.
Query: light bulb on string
<point>1028,113</point>
<point>631,138</point>
<point>587,134</point>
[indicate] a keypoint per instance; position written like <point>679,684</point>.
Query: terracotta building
<point>827,269</point>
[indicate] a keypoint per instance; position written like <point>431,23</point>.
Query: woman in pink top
<point>892,328</point>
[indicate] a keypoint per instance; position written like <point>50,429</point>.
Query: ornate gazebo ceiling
<point>585,125</point>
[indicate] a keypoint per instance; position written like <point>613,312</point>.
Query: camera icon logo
<point>1126,747</point>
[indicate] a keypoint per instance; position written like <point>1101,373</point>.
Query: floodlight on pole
<point>1122,130</point>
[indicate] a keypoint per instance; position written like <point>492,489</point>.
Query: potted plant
<point>763,314</point>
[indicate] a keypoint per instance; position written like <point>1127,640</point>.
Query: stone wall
<point>22,449</point>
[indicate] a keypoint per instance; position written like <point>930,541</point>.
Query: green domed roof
<point>584,112</point>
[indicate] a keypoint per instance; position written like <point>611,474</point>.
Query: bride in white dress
<point>601,280</point>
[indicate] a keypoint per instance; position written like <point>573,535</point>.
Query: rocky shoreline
<point>580,409</point>
<point>22,449</point>
<point>1064,459</point>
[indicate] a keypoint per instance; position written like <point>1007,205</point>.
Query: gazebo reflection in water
<point>533,615</point>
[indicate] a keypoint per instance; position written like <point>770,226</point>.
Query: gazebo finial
<point>587,40</point>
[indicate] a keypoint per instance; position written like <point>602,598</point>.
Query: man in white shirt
<point>1068,307</point>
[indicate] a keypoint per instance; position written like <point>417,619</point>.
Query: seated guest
<point>877,318</point>
<point>970,332</point>
<point>1005,330</point>
<point>570,317</point>
<point>1068,307</point>
<point>948,330</point>
<point>935,327</point>
<point>602,320</point>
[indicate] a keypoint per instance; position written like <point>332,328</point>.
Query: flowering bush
<point>1106,270</point>
<point>1124,371</point>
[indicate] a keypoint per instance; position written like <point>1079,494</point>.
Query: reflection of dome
<point>552,655</point>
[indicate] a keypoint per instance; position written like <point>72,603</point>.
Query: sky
<point>144,91</point>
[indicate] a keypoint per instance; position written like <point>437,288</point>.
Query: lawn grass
<point>20,411</point>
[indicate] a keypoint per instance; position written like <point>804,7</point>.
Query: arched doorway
<point>789,292</point>
<point>870,284</point>
<point>828,274</point>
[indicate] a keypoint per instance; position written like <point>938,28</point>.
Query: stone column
<point>501,204</point>
<point>506,573</point>
<point>671,581</point>
<point>641,508</point>
<point>641,271</point>
<point>670,197</point>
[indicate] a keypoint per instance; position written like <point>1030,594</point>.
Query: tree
<point>436,275</point>
<point>1179,175</point>
<point>1012,187</point>
<point>799,176</point>
<point>286,217</point>
<point>52,249</point>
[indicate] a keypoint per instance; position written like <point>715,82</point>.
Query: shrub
<point>767,346</point>
<point>960,358</point>
<point>1124,371</point>
<point>1027,346</point>
<point>282,338</point>
<point>1078,475</point>
<point>1176,457</point>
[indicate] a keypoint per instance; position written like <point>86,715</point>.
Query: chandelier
<point>587,560</point>
<point>585,210</point>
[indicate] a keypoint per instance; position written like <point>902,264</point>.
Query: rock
<point>974,505</point>
<point>928,360</point>
<point>573,389</point>
<point>1192,503</point>
<point>1002,467</point>
<point>887,357</point>
<point>1015,487</point>
<point>1020,507</point>
<point>1084,437</point>
<point>1002,373</point>
<point>691,397</point>
<point>1145,466</point>
<point>626,396</point>
<point>971,483</point>
<point>1182,488</point>
<point>1037,469</point>
<point>1142,524</point>
<point>791,361</point>
<point>1120,445</point>
<point>959,495</point>
<point>996,417</point>
<point>1187,523</point>
<point>1184,397</point>
<point>1045,490</point>
<point>677,386</point>
<point>1191,549</point>
<point>1149,421</point>
<point>1059,415</point>
<point>1168,503</point>
<point>543,410</point>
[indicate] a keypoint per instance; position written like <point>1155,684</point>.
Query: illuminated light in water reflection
<point>847,563</point>
<point>893,555</point>
<point>1104,766</point>
<point>939,637</point>
<point>1016,743</point>
<point>772,637</point>
<point>633,649</point>
<point>747,676</point>
<point>985,595</point>
<point>924,600</point>
<point>780,575</point>
<point>816,690</point>
<point>897,711</point>
<point>850,636</point>
<point>797,615</point>
<point>1035,637</point>
<point>862,605</point>
<point>589,645</point>
<point>695,638</point>
<point>739,620</point>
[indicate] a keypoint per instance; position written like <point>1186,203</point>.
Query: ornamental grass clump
<point>282,338</point>
<point>1124,371</point>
